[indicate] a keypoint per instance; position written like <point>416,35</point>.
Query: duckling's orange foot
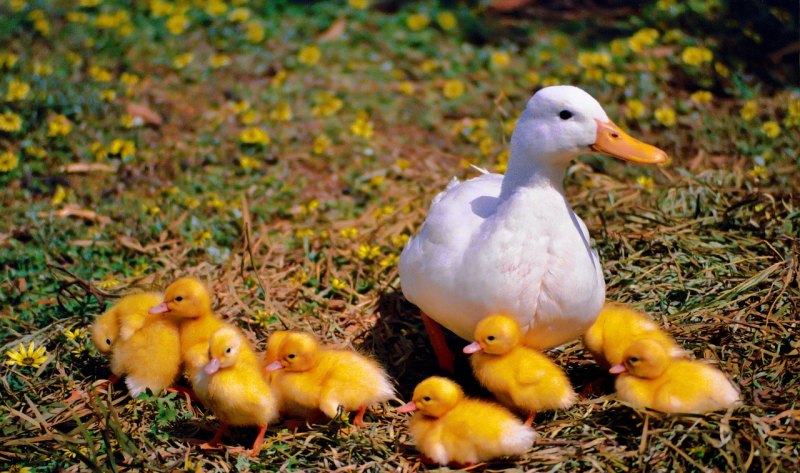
<point>105,384</point>
<point>210,446</point>
<point>358,420</point>
<point>187,392</point>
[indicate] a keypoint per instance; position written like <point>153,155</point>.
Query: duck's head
<point>562,122</point>
<point>644,358</point>
<point>185,298</point>
<point>223,349</point>
<point>274,344</point>
<point>296,352</point>
<point>495,335</point>
<point>105,331</point>
<point>434,397</point>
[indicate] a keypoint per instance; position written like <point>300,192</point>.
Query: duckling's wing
<point>529,373</point>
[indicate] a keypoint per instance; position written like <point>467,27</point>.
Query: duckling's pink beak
<point>611,140</point>
<point>212,366</point>
<point>274,366</point>
<point>159,309</point>
<point>473,347</point>
<point>617,369</point>
<point>408,407</point>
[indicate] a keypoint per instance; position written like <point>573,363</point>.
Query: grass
<point>155,175</point>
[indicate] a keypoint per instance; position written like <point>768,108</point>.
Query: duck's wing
<point>433,257</point>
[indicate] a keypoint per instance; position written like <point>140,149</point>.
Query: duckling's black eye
<point>633,359</point>
<point>426,399</point>
<point>178,299</point>
<point>565,114</point>
<point>108,341</point>
<point>490,338</point>
<point>228,350</point>
<point>291,356</point>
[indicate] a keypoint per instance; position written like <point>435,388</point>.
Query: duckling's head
<point>561,122</point>
<point>223,349</point>
<point>105,331</point>
<point>274,344</point>
<point>495,335</point>
<point>644,358</point>
<point>297,352</point>
<point>434,397</point>
<point>185,298</point>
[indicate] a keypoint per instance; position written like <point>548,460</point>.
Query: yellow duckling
<point>519,376</point>
<point>617,327</point>
<point>451,428</point>
<point>233,386</point>
<point>312,377</point>
<point>144,349</point>
<point>650,377</point>
<point>188,300</point>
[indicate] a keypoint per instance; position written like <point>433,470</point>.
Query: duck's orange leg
<point>529,420</point>
<point>187,392</point>
<point>440,348</point>
<point>259,441</point>
<point>217,439</point>
<point>358,420</point>
<point>112,380</point>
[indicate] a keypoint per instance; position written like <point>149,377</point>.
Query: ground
<point>285,152</point>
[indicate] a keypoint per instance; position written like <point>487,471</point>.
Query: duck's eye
<point>426,399</point>
<point>108,341</point>
<point>228,350</point>
<point>565,114</point>
<point>291,356</point>
<point>490,338</point>
<point>633,359</point>
<point>179,298</point>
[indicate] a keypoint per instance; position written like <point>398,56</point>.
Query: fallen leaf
<point>334,31</point>
<point>75,211</point>
<point>144,112</point>
<point>88,167</point>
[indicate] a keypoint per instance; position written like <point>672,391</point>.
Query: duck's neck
<point>525,172</point>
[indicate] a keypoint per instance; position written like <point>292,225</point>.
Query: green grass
<point>707,244</point>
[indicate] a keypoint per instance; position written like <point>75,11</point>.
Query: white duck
<point>512,244</point>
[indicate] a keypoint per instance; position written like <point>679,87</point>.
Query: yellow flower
<point>358,4</point>
<point>18,468</point>
<point>500,59</point>
<point>263,318</point>
<point>279,78</point>
<point>216,7</point>
<point>665,4</point>
<point>695,56</point>
<point>42,26</point>
<point>645,182</point>
<point>453,88</point>
<point>310,207</point>
<point>249,117</point>
<point>666,115</point>
<point>337,284</point>
<point>98,150</point>
<point>321,144</point>
<point>533,78</point>
<point>588,59</point>
<point>130,121</point>
<point>10,122</point>
<point>201,237</point>
<point>702,97</point>
<point>389,261</point>
<point>594,73</point>
<point>486,146</point>
<point>122,148</point>
<point>406,87</point>
<point>635,109</point>
<point>248,162</point>
<point>129,79</point>
<point>362,126</point>
<point>254,32</point>
<point>548,81</point>
<point>304,233</point>
<point>58,196</point>
<point>74,334</point>
<point>642,39</point>
<point>254,136</point>
<point>349,233</point>
<point>100,74</point>
<point>617,79</point>
<point>8,161</point>
<point>58,125</point>
<point>217,61</point>
<point>327,105</point>
<point>77,17</point>
<point>758,172</point>
<point>27,356</point>
<point>35,151</point>
<point>177,24</point>
<point>7,60</point>
<point>240,106</point>
<point>722,69</point>
<point>18,5</point>
<point>182,60</point>
<point>749,110</point>
<point>309,55</point>
<point>239,15</point>
<point>17,90</point>
<point>282,112</point>
<point>771,129</point>
<point>368,252</point>
<point>447,20</point>
<point>619,48</point>
<point>402,164</point>
<point>794,108</point>
<point>400,240</point>
<point>417,21</point>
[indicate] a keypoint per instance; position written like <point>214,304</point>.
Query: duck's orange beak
<point>473,347</point>
<point>274,366</point>
<point>408,407</point>
<point>159,309</point>
<point>611,140</point>
<point>617,369</point>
